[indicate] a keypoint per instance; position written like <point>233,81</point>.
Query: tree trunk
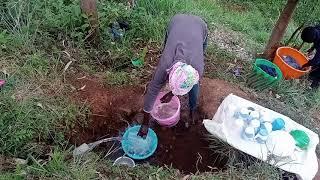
<point>280,29</point>
<point>89,8</point>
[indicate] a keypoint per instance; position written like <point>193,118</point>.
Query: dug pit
<point>112,110</point>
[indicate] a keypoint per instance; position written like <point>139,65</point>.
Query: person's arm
<point>154,88</point>
<point>311,49</point>
<point>143,131</point>
<point>315,61</point>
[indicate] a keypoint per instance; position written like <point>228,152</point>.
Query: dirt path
<point>112,109</point>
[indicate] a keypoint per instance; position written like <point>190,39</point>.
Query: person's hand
<point>167,97</point>
<point>309,51</point>
<point>306,65</point>
<point>143,131</point>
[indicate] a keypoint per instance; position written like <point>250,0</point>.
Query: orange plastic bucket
<point>288,71</point>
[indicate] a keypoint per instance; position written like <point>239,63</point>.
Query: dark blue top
<point>316,45</point>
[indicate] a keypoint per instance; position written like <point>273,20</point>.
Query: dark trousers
<point>314,76</point>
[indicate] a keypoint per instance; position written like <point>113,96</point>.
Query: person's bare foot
<point>194,116</point>
<point>186,125</point>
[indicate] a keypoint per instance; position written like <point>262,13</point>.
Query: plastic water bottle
<point>266,126</point>
<point>254,115</point>
<point>261,138</point>
<point>265,116</point>
<point>255,124</point>
<point>263,133</point>
<point>244,114</point>
<point>248,133</point>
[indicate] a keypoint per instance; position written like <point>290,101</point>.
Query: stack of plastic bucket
<point>261,80</point>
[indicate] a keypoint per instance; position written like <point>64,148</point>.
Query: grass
<point>117,78</point>
<point>27,113</point>
<point>38,38</point>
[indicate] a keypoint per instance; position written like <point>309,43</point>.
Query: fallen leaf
<point>73,88</point>
<point>82,88</point>
<point>40,105</point>
<point>186,177</point>
<point>81,77</point>
<point>67,54</point>
<point>67,66</point>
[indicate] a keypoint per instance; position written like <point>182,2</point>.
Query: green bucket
<point>259,79</point>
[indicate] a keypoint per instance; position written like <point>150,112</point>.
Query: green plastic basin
<point>259,79</point>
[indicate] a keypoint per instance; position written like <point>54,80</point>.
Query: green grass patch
<point>118,78</point>
<point>34,104</point>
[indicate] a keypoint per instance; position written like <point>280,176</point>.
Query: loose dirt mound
<point>213,91</point>
<point>111,107</point>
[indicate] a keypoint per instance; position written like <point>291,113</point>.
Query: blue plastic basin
<point>127,143</point>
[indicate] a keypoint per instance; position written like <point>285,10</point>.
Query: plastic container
<point>124,161</point>
<point>260,138</point>
<point>166,114</point>
<point>243,113</point>
<point>255,114</point>
<point>255,124</point>
<point>288,71</point>
<point>301,138</point>
<point>266,128</point>
<point>278,124</point>
<point>135,146</point>
<point>259,79</point>
<point>281,144</point>
<point>248,133</point>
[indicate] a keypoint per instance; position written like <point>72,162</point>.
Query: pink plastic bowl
<point>166,114</point>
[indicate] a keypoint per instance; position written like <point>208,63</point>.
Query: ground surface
<point>40,52</point>
<point>113,108</point>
